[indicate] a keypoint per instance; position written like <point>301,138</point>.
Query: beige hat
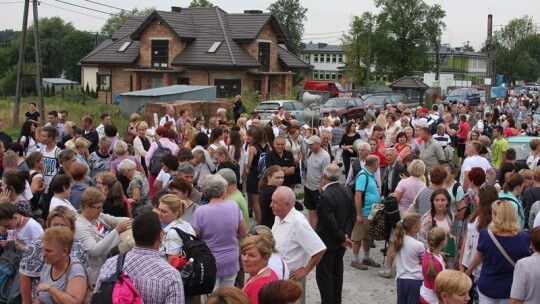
<point>313,139</point>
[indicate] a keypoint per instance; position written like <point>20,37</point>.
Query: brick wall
<point>268,33</point>
<point>157,31</point>
<point>196,108</point>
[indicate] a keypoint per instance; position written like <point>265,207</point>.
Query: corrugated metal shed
<point>135,102</point>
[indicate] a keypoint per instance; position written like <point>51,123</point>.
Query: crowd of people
<point>76,197</point>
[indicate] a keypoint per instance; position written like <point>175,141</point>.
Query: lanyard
<point>253,278</point>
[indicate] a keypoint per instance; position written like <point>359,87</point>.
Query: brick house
<point>195,46</point>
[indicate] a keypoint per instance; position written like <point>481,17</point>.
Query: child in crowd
<point>409,254</point>
<point>432,264</point>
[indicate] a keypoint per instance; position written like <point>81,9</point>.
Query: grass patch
<point>75,109</point>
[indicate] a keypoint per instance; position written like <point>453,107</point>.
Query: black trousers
<point>329,275</point>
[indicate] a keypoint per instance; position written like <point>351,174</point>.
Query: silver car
<point>268,109</point>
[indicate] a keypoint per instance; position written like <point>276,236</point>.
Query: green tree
<point>76,45</point>
<point>355,46</point>
<point>8,82</point>
<point>411,27</point>
<point>515,49</point>
<point>53,90</point>
<point>468,47</point>
<point>47,91</point>
<point>291,15</point>
<point>114,22</point>
<point>200,3</point>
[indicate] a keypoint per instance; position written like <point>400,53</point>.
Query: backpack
<point>118,288</point>
<point>391,211</point>
<point>488,130</point>
<point>203,278</point>
<point>155,161</point>
<point>261,165</point>
<point>435,124</point>
<point>9,271</point>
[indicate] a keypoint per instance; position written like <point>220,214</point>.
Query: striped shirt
<point>156,280</point>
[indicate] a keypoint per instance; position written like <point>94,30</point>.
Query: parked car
<point>341,106</point>
<point>267,110</point>
<point>521,145</point>
<point>399,96</point>
<point>379,101</point>
<point>531,90</point>
<point>493,98</point>
<point>463,93</point>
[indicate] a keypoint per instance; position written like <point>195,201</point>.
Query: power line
<point>313,34</point>
<point>84,7</point>
<point>76,12</point>
<point>106,5</point>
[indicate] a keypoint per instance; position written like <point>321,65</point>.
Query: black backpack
<point>391,211</point>
<point>155,161</point>
<point>435,124</point>
<point>203,278</point>
<point>488,130</point>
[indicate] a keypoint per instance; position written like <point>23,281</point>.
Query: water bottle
<point>188,269</point>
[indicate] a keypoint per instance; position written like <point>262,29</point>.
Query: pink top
<point>252,289</point>
<point>166,143</point>
<point>408,188</point>
<point>438,260</point>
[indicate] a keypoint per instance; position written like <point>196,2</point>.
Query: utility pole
<point>368,65</point>
<point>20,64</point>
<point>489,63</point>
<point>39,69</point>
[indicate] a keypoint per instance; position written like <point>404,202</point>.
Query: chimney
<point>176,9</point>
<point>253,12</point>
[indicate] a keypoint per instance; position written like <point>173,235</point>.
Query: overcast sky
<point>466,20</point>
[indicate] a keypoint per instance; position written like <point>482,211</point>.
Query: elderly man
<point>283,158</point>
<point>326,140</point>
<point>168,116</point>
<point>317,160</point>
<point>337,215</point>
<point>393,172</point>
<point>366,195</point>
<point>221,116</point>
<point>431,151</point>
<point>297,243</point>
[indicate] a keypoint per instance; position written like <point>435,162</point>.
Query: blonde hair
<point>241,121</point>
<point>63,236</point>
<point>381,121</point>
<point>82,142</point>
<point>505,217</point>
<point>91,196</point>
<point>404,226</point>
<point>174,203</point>
<point>120,148</point>
<point>134,117</point>
<point>259,242</point>
<point>436,237</point>
<point>451,282</point>
<point>416,168</point>
<point>63,212</point>
<point>228,295</point>
<point>104,141</point>
<point>265,232</point>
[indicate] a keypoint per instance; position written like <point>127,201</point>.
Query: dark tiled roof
<point>110,54</point>
<point>129,27</point>
<point>213,26</point>
<point>318,48</point>
<point>409,82</point>
<point>200,28</point>
<point>289,60</point>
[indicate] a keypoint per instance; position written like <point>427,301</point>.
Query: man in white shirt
<point>297,243</point>
<point>105,120</point>
<point>480,122</point>
<point>317,160</point>
<point>472,150</point>
<point>168,116</point>
<point>421,119</point>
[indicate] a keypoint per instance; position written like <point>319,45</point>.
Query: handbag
<point>501,249</point>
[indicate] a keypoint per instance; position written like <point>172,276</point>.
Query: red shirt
<point>382,158</point>
<point>464,129</point>
<point>252,288</point>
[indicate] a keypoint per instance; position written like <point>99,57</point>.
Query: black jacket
<point>336,215</point>
<point>398,170</point>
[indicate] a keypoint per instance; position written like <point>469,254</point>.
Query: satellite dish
<point>309,99</point>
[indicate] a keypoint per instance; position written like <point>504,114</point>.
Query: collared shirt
<point>326,186</point>
<point>431,153</point>
<point>156,280</point>
<point>296,241</point>
<point>101,131</point>
<point>391,174</point>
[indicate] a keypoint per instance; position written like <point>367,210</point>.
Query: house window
<point>334,75</point>
<point>328,58</point>
<point>334,58</point>
<point>264,56</point>
<point>104,82</point>
<point>160,53</point>
<point>321,75</point>
<point>315,75</point>
<point>257,85</point>
<point>227,88</point>
<point>340,58</point>
<point>182,80</point>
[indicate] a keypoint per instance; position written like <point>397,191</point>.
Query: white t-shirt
<point>32,146</point>
<point>479,126</point>
<point>165,119</point>
<point>51,163</point>
<point>472,162</point>
<point>532,161</point>
<point>277,264</point>
<point>56,202</point>
<point>241,162</point>
<point>31,231</point>
<point>409,259</point>
<point>164,178</point>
